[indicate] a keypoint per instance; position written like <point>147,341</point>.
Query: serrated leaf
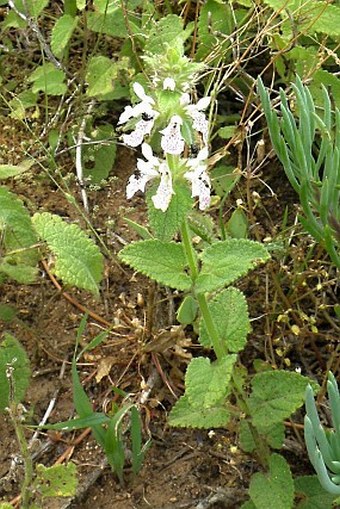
<point>102,74</point>
<point>56,481</point>
<point>48,79</point>
<point>62,33</point>
<point>14,360</point>
<point>311,494</point>
<point>167,32</point>
<point>274,436</point>
<point>165,262</point>
<point>17,231</point>
<point>275,396</point>
<point>274,489</point>
<point>226,261</point>
<point>230,314</point>
<point>166,224</point>
<point>184,415</point>
<point>78,260</point>
<point>31,7</point>
<point>206,383</point>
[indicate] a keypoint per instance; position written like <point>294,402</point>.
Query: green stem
<point>28,462</point>
<point>201,298</point>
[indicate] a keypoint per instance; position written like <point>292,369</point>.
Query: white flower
<point>200,181</point>
<point>199,122</point>
<point>169,84</point>
<point>149,170</point>
<point>145,111</point>
<point>172,141</point>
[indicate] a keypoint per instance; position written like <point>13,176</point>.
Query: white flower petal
<point>203,103</point>
<point>200,181</point>
<point>126,115</point>
<point>172,141</point>
<point>136,137</point>
<point>169,84</point>
<point>162,198</point>
<point>140,92</point>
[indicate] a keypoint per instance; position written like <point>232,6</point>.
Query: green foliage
<point>268,402</point>
<point>237,226</point>
<point>168,32</point>
<point>187,312</point>
<point>166,224</point>
<point>165,262</point>
<point>78,259</point>
<point>102,77</point>
<point>311,494</point>
<point>230,312</point>
<point>275,488</point>
<point>224,178</point>
<point>226,261</point>
<point>215,21</point>
<point>7,312</point>
<point>207,385</point>
<point>56,481</point>
<point>48,79</point>
<point>62,33</point>
<point>9,170</point>
<point>31,8</point>
<point>309,151</point>
<point>14,372</point>
<point>18,237</point>
<point>323,445</point>
<point>100,156</point>
<point>272,435</point>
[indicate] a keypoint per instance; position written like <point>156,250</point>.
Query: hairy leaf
<point>102,75</point>
<point>230,314</point>
<point>167,32</point>
<point>62,33</point>
<point>207,383</point>
<point>165,262</point>
<point>224,262</point>
<point>9,170</point>
<point>166,224</point>
<point>17,232</point>
<point>184,415</point>
<point>31,7</point>
<point>78,259</point>
<point>274,489</point>
<point>24,274</point>
<point>14,372</point>
<point>311,494</point>
<point>274,436</point>
<point>101,155</point>
<point>48,79</point>
<point>275,396</point>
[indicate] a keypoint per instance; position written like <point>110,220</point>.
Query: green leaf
<point>9,170</point>
<point>184,415</point>
<point>165,262</point>
<point>78,259</point>
<point>62,33</point>
<point>48,79</point>
<point>230,313</point>
<point>207,384</point>
<point>31,7</point>
<point>227,132</point>
<point>224,262</point>
<point>311,494</point>
<point>102,76</point>
<point>23,274</point>
<point>274,436</point>
<point>22,101</point>
<point>56,481</point>
<point>167,32</point>
<point>7,312</point>
<point>237,226</point>
<point>101,154</point>
<point>166,224</point>
<point>14,361</point>
<point>275,396</point>
<point>224,178</point>
<point>274,489</point>
<point>187,312</point>
<point>215,18</point>
<point>90,421</point>
<point>17,231</point>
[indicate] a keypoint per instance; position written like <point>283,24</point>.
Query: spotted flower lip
<point>199,178</point>
<point>195,111</point>
<point>148,170</point>
<point>143,110</point>
<point>172,141</point>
